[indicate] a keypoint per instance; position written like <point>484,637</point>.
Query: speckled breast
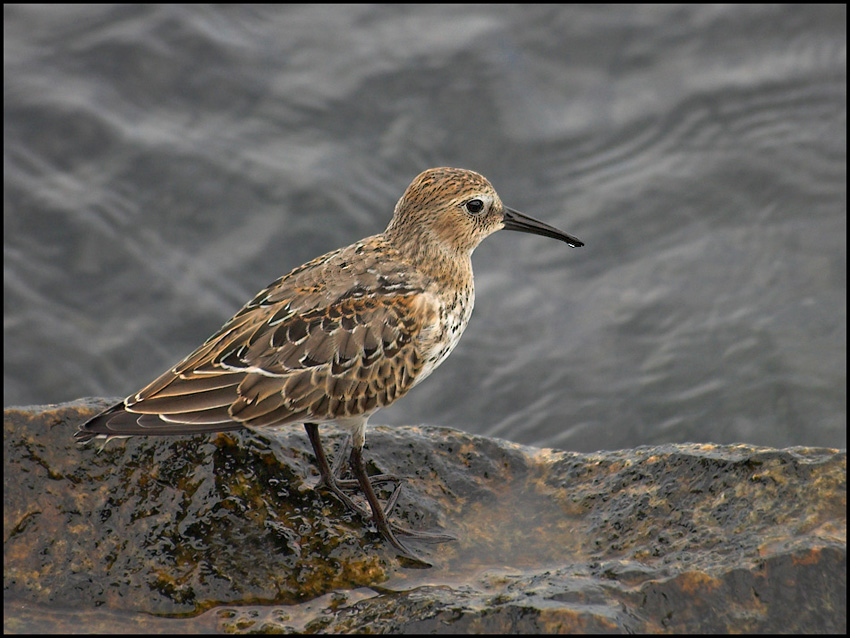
<point>453,319</point>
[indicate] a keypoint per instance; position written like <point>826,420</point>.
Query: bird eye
<point>474,206</point>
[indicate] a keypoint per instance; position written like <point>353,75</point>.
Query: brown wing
<point>290,356</point>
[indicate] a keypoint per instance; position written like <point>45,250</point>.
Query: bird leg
<point>330,476</point>
<point>328,479</point>
<point>378,514</point>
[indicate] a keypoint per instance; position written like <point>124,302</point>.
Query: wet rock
<point>224,533</point>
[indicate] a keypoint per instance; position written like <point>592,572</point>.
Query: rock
<point>225,532</point>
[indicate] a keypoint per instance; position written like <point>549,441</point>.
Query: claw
<point>392,500</point>
<point>425,537</point>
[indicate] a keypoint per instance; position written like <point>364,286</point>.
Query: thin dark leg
<point>378,514</point>
<point>327,476</point>
<point>330,475</point>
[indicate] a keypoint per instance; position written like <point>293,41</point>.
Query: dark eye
<point>474,206</point>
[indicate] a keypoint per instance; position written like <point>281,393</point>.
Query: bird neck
<point>433,258</point>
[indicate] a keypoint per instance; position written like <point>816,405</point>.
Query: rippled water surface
<point>164,163</point>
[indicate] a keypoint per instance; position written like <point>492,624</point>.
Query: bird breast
<point>439,339</point>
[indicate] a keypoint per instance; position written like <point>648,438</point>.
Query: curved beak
<point>514,220</point>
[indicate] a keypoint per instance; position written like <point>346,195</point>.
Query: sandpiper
<point>338,338</point>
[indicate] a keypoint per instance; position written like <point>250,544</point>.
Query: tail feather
<point>117,421</point>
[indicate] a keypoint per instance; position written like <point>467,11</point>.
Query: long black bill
<point>514,220</point>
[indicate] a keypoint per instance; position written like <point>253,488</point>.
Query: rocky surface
<point>224,533</point>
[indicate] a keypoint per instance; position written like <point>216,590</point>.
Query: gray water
<point>164,163</point>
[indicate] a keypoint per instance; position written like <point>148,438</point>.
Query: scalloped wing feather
<point>333,339</point>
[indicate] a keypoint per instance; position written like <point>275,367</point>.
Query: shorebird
<point>338,338</point>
